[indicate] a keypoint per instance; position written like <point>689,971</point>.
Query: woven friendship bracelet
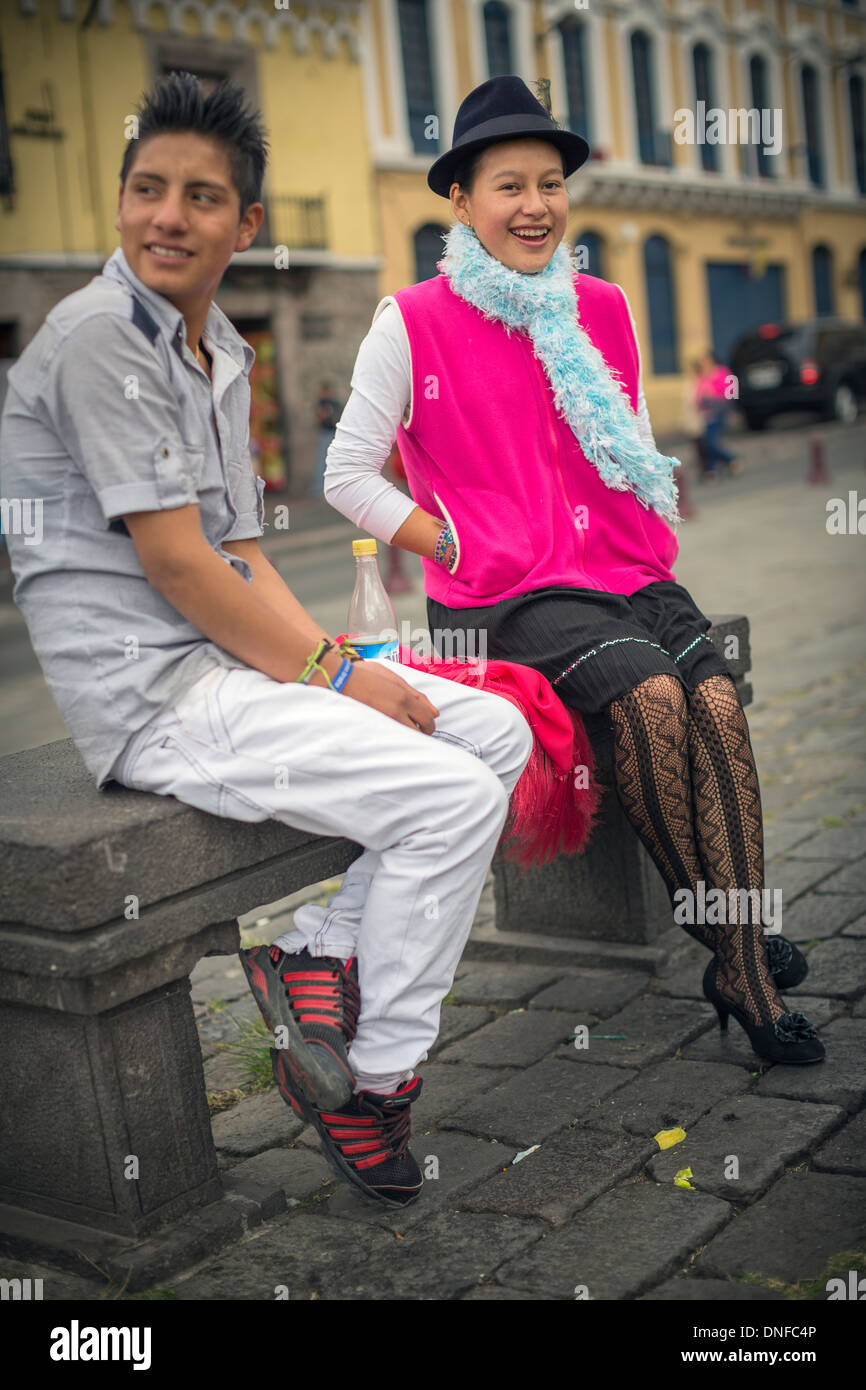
<point>313,663</point>
<point>345,648</point>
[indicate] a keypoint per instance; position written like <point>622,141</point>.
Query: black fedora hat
<point>502,109</point>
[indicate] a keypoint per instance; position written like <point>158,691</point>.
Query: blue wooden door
<point>740,302</point>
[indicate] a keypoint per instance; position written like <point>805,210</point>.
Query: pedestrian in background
<point>692,418</point>
<point>714,403</point>
<point>328,410</point>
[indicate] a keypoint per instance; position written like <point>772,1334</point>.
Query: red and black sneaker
<point>367,1140</point>
<point>316,1000</point>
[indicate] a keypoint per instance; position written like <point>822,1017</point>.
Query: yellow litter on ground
<point>666,1138</point>
<point>682,1178</point>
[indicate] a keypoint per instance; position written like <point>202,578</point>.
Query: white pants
<point>428,809</point>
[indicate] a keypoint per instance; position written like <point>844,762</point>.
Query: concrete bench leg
<point>106,1135</point>
<point>613,892</point>
<point>112,1127</point>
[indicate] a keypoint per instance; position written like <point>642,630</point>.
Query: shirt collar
<point>218,329</point>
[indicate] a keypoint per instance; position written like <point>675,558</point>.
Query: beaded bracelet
<point>444,539</point>
<point>446,549</point>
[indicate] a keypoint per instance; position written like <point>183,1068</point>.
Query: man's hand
<point>373,685</point>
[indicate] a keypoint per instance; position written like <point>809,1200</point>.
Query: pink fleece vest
<point>486,449</point>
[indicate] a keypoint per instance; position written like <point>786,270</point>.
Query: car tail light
<point>768,330</point>
<point>809,372</point>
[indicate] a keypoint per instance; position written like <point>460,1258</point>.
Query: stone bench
<point>107,901</point>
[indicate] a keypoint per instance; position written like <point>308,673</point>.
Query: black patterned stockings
<point>685,776</point>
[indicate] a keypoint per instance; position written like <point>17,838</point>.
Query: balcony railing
<point>297,222</point>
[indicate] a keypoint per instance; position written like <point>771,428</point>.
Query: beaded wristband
<point>444,539</point>
<point>446,549</point>
<point>342,675</point>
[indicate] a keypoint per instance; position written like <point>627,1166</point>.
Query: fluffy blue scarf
<point>590,400</point>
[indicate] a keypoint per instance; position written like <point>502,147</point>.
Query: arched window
<point>428,250</point>
<point>417,73</point>
<point>589,249</point>
<point>861,273</point>
<point>702,63</point>
<point>653,148</point>
<point>858,129</point>
<point>497,34</point>
<point>760,102</point>
<point>810,90</point>
<point>822,278</point>
<point>661,305</point>
<point>574,60</point>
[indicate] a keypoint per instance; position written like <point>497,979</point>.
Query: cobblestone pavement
<point>598,1205</point>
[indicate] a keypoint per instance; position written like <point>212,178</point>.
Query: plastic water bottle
<point>371,625</point>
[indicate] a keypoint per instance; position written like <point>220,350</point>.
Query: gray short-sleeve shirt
<point>108,412</point>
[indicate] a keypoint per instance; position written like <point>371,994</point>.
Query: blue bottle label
<point>389,649</point>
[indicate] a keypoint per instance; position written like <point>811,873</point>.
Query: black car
<point>820,365</point>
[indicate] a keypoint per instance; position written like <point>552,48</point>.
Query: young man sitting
<point>183,665</point>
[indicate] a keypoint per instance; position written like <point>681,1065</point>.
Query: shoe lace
<point>397,1131</point>
<point>394,1119</point>
<point>327,996</point>
<point>351,1003</point>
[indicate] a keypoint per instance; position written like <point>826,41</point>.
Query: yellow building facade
<point>359,96</point>
<point>73,72</point>
<point>700,251</point>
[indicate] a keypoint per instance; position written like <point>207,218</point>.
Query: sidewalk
<point>598,1204</point>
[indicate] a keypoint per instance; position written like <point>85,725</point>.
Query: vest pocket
<point>455,533</point>
<point>496,546</point>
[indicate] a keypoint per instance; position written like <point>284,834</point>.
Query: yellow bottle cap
<point>368,547</point>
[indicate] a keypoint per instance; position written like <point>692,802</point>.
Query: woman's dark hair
<point>465,172</point>
<point>178,103</point>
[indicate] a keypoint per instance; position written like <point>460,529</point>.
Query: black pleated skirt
<point>592,646</point>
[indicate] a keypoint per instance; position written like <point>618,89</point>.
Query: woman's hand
<point>372,684</point>
<point>420,533</point>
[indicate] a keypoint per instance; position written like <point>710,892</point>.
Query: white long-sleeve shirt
<point>380,400</point>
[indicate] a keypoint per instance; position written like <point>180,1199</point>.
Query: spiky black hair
<point>178,102</point>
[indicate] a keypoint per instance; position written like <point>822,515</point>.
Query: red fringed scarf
<point>555,801</point>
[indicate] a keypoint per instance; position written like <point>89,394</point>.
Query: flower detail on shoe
<point>779,953</point>
<point>793,1027</point>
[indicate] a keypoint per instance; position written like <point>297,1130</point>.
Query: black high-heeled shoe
<point>789,1038</point>
<point>788,965</point>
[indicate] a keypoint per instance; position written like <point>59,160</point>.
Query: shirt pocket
<point>194,448</point>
